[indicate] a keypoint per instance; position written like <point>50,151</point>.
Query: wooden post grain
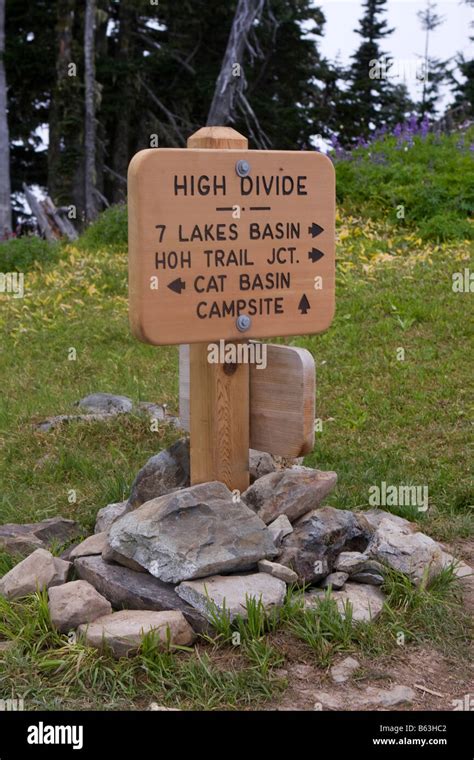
<point>219,393</point>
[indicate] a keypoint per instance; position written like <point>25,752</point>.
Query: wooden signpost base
<point>219,393</point>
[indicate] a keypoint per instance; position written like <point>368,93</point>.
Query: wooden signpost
<point>229,244</point>
<point>282,400</point>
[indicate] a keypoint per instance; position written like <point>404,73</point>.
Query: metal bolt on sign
<point>243,322</point>
<point>242,168</point>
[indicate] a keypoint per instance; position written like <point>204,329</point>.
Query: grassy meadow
<point>394,393</point>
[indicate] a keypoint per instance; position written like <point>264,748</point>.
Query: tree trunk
<point>231,80</point>
<point>5,186</point>
<point>120,146</point>
<point>89,114</point>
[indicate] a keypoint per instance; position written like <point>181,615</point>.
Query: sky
<point>408,39</point>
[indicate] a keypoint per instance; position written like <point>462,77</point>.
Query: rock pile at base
<point>167,561</point>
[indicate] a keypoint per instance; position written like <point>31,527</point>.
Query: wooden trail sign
<point>282,400</point>
<point>229,244</point>
<point>226,244</point>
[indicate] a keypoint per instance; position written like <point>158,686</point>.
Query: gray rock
<point>192,533</point>
<point>39,570</point>
<point>375,516</point>
<point>356,562</point>
<point>109,514</point>
<point>343,670</point>
<point>368,576</point>
<point>63,570</point>
<point>280,528</point>
<point>123,632</point>
<point>74,603</point>
<point>5,646</point>
<point>154,411</point>
<point>127,589</point>
<point>335,580</point>
<point>396,695</point>
<point>106,402</point>
<point>63,419</point>
<point>278,571</point>
<point>261,463</point>
<point>461,569</point>
<point>319,537</point>
<point>91,545</point>
<point>397,546</point>
<point>231,592</point>
<point>366,601</point>
<point>355,699</point>
<point>292,492</point>
<point>22,539</point>
<point>110,555</point>
<point>163,473</point>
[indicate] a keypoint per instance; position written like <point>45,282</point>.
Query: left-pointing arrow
<point>177,285</point>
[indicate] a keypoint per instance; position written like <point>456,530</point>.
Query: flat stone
<point>231,592</point>
<point>335,580</point>
<point>356,562</point>
<point>278,571</point>
<point>64,419</point>
<point>106,402</point>
<point>292,492</point>
<point>74,603</point>
<point>368,576</point>
<point>39,570</point>
<point>193,533</point>
<point>123,631</point>
<point>461,569</point>
<point>163,473</point>
<point>280,528</point>
<point>396,695</point>
<point>110,555</point>
<point>343,670</point>
<point>109,514</point>
<point>397,546</point>
<point>125,588</point>
<point>366,601</point>
<point>375,516</point>
<point>91,545</point>
<point>354,699</point>
<point>6,645</point>
<point>319,537</point>
<point>22,539</point>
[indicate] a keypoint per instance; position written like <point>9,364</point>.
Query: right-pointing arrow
<point>315,254</point>
<point>303,305</point>
<point>177,285</point>
<point>315,229</point>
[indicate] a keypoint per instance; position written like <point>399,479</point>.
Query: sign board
<point>282,400</point>
<point>230,244</point>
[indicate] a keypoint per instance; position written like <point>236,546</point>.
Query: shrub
<point>109,230</point>
<point>21,254</point>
